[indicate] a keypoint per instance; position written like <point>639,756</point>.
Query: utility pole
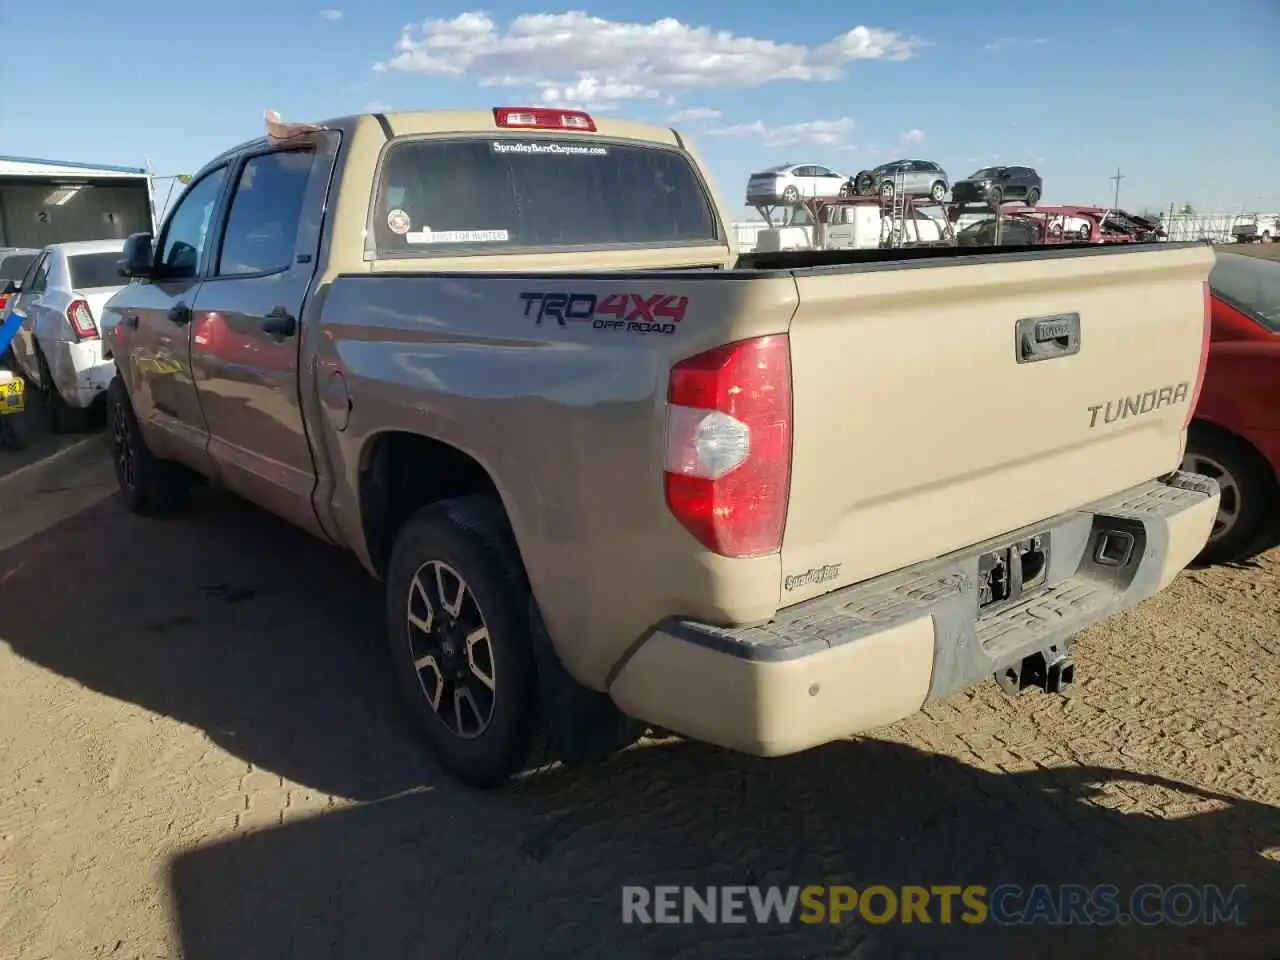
<point>1115,203</point>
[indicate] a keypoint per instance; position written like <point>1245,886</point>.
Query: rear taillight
<point>1206,336</point>
<point>4,300</point>
<point>542,118</point>
<point>81,319</point>
<point>728,456</point>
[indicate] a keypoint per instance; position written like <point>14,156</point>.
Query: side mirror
<point>139,258</point>
<point>11,287</point>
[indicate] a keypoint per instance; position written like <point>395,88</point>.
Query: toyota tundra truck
<point>617,477</point>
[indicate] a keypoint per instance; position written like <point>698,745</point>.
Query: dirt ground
<point>201,755</point>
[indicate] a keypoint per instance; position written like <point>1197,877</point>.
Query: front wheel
<point>995,197</point>
<point>459,630</point>
<point>1249,491</point>
<point>148,485</point>
<point>791,195</point>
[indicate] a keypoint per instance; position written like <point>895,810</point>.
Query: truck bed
<point>917,427</point>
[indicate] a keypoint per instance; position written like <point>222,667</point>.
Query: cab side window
<point>187,231</point>
<point>262,228</point>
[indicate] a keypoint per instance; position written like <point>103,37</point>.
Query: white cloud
<point>824,133</point>
<point>586,59</point>
<point>330,14</point>
<point>913,136</point>
<point>1006,43</point>
<point>693,115</point>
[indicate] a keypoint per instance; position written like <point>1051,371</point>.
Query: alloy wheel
<point>450,648</point>
<point>122,442</point>
<point>1229,489</point>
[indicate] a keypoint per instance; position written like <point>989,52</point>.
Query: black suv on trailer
<point>996,185</point>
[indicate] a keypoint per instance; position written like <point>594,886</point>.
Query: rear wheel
<point>1249,489</point>
<point>847,190</point>
<point>886,191</point>
<point>60,416</point>
<point>458,626</point>
<point>938,191</point>
<point>148,485</point>
<point>1033,196</point>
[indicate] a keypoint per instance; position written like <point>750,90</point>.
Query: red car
<point>1235,434</point>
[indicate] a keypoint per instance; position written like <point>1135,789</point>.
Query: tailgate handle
<point>1047,338</point>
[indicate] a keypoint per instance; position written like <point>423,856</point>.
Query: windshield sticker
<point>398,222</point>
<point>561,148</point>
<point>427,235</point>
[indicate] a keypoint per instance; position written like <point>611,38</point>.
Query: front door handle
<point>180,314</point>
<point>280,323</point>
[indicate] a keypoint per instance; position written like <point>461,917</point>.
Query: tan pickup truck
<point>615,475</point>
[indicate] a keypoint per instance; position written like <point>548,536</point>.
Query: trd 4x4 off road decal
<point>629,312</point>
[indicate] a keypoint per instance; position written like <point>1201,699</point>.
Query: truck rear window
<point>492,194</point>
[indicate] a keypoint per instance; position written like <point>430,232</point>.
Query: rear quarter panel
<point>567,418</point>
<point>1242,385</point>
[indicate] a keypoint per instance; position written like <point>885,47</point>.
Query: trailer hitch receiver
<point>1051,670</point>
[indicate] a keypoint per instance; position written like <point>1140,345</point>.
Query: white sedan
<point>58,345</point>
<point>791,182</point>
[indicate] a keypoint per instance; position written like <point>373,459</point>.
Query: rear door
<point>920,428</point>
<point>245,358</point>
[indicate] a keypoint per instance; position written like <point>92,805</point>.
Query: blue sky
<point>1181,95</point>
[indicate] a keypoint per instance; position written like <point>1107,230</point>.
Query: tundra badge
<point>1139,403</point>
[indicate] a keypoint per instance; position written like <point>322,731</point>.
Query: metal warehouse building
<point>54,201</point>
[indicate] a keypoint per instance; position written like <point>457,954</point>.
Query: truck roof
<point>411,122</point>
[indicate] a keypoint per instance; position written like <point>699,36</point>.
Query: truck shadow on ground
<point>271,643</point>
<point>538,871</point>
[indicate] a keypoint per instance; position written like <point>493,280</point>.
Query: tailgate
<point>918,430</point>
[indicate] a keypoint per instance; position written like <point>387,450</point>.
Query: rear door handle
<point>280,323</point>
<point>180,314</point>
<point>130,320</point>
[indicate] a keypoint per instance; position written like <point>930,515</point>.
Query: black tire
<point>790,195</point>
<point>995,197</point>
<point>886,191</point>
<point>59,416</point>
<point>148,485</point>
<point>937,191</point>
<point>848,189</point>
<point>1033,196</point>
<point>1250,492</point>
<point>864,183</point>
<point>469,537</point>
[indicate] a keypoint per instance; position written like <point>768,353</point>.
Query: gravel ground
<point>202,755</point>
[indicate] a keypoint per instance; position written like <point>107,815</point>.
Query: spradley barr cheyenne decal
<point>1138,404</point>
<point>629,312</point>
